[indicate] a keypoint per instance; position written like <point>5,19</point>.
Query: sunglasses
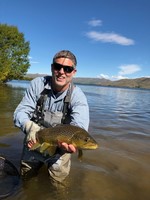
<point>67,69</point>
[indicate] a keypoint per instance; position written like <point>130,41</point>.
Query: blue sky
<point>110,38</point>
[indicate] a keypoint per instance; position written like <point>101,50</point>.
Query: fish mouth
<point>91,146</point>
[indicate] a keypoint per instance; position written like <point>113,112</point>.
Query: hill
<point>131,83</point>
<point>142,82</point>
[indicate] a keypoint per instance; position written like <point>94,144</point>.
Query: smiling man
<point>63,69</point>
<point>50,101</point>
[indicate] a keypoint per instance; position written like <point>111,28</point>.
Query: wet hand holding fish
<point>67,147</point>
<point>49,138</point>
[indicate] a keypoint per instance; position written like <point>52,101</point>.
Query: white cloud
<point>104,76</point>
<point>118,77</point>
<point>129,69</point>
<point>95,22</point>
<point>109,37</point>
<point>124,70</point>
<point>112,78</point>
<point>32,61</point>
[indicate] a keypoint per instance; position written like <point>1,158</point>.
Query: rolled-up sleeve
<point>79,109</point>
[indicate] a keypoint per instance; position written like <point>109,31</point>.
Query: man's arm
<point>79,109</point>
<point>26,108</point>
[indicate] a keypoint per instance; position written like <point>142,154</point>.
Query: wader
<point>58,165</point>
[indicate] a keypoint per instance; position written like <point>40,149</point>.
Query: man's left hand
<point>67,147</point>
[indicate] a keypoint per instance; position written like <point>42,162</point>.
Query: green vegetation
<point>14,50</point>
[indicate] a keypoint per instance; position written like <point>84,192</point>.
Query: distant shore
<point>142,82</point>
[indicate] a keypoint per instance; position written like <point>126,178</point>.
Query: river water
<point>118,170</point>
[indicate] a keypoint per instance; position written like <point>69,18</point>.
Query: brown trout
<point>49,138</point>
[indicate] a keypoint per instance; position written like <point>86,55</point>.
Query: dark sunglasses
<point>67,69</point>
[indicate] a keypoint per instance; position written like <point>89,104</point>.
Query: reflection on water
<point>18,84</point>
<point>120,111</point>
<point>118,170</point>
<point>9,98</point>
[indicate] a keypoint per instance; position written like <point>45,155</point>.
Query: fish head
<point>84,141</point>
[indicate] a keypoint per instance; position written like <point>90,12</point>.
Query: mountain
<point>133,83</point>
<point>142,82</point>
<point>130,83</point>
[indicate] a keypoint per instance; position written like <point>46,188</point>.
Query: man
<point>47,102</point>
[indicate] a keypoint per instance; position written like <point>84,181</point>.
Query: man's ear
<point>74,72</point>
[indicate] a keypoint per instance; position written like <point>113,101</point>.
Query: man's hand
<point>31,128</point>
<point>67,147</point>
<point>30,143</point>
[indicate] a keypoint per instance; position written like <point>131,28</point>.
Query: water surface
<point>118,170</point>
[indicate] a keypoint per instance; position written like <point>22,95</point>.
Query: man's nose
<point>61,70</point>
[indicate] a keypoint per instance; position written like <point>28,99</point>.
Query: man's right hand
<point>31,128</point>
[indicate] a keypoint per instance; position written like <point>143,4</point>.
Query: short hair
<point>65,54</point>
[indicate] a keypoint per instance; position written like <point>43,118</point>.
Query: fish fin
<point>44,147</point>
<point>80,154</point>
<point>51,150</point>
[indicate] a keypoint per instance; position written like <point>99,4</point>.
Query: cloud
<point>124,70</point>
<point>32,61</point>
<point>95,22</point>
<point>129,69</point>
<point>118,77</point>
<point>109,37</point>
<point>112,78</point>
<point>104,76</point>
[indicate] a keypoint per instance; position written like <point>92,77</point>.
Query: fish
<point>48,139</point>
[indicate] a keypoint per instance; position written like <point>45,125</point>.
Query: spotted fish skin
<point>49,138</point>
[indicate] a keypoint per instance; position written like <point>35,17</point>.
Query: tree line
<point>14,53</point>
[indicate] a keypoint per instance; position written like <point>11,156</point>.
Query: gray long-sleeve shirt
<point>79,107</point>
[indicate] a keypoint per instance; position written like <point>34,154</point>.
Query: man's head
<point>63,69</point>
<point>66,54</point>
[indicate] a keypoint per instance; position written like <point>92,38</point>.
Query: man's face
<point>62,73</point>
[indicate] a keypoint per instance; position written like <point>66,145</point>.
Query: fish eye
<point>87,139</point>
